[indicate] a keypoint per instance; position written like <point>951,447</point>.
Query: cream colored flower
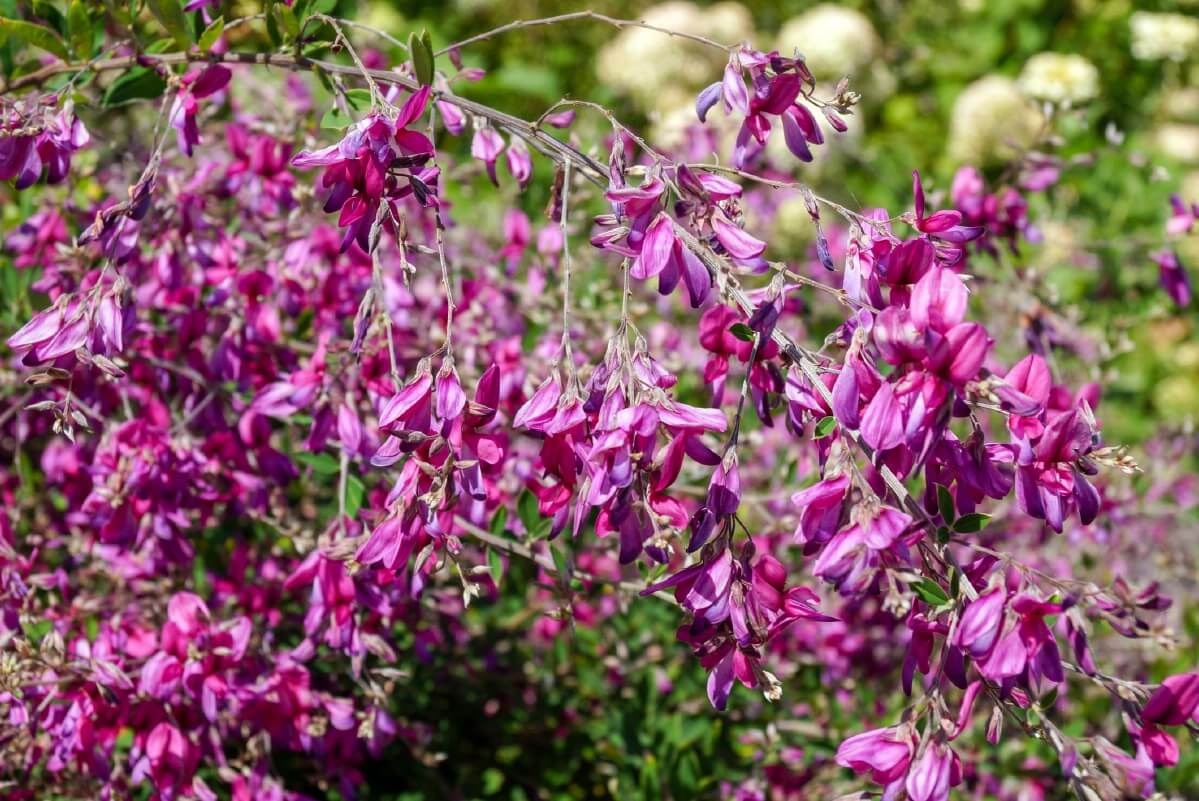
<point>1188,245</point>
<point>793,229</point>
<point>991,120</point>
<point>1189,187</point>
<point>1179,141</point>
<point>1059,243</point>
<point>1162,37</point>
<point>1060,78</point>
<point>835,41</point>
<point>1182,104</point>
<point>662,72</point>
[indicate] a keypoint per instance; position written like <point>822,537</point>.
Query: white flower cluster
<point>835,41</point>
<point>1163,37</point>
<point>663,73</point>
<point>1062,78</point>
<point>991,120</point>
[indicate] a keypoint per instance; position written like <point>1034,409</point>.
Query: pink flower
<point>934,772</point>
<point>883,753</point>
<point>486,146</point>
<point>196,85</point>
<point>520,162</point>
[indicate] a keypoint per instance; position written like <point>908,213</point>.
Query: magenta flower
<point>37,141</point>
<point>1050,475</point>
<point>777,84</point>
<point>195,85</point>
<point>1182,217</point>
<point>358,168</point>
<point>820,511</point>
<point>1173,276</point>
<point>980,624</point>
<point>520,162</point>
<point>736,241</point>
<point>486,146</point>
<point>933,774</point>
<point>883,753</point>
<point>1174,702</point>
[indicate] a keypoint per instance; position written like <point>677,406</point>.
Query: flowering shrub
<point>299,392</point>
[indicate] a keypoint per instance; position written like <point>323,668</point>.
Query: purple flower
<point>1173,276</point>
<point>1182,217</point>
<point>1174,702</point>
<point>979,626</point>
<point>196,85</point>
<point>735,240</point>
<point>37,141</point>
<point>358,168</point>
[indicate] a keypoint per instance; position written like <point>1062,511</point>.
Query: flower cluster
<point>781,88</point>
<point>36,139</point>
<point>359,169</point>
<point>262,461</point>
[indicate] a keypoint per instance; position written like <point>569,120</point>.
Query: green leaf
<point>323,464</point>
<point>162,45</point>
<point>742,331</point>
<point>355,494</point>
<point>169,14</point>
<point>527,511</point>
<point>335,118</point>
<point>421,48</point>
<point>945,504</point>
<point>272,26</point>
<point>825,427</point>
<point>47,11</point>
<point>493,781</point>
<point>33,34</point>
<point>140,83</point>
<point>287,20</point>
<point>313,48</point>
<point>35,632</point>
<point>968,524</point>
<point>561,562</point>
<point>496,563</point>
<point>80,28</point>
<point>124,739</point>
<point>200,575</point>
<point>358,98</point>
<point>211,34</point>
<point>930,592</point>
<point>500,521</point>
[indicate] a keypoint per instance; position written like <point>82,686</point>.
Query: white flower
<point>792,229</point>
<point>834,41</point>
<point>991,119</point>
<point>1060,78</point>
<point>1179,141</point>
<point>662,72</point>
<point>1161,37</point>
<point>1189,187</point>
<point>1181,104</point>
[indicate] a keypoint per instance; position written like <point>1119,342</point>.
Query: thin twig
<point>581,15</point>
